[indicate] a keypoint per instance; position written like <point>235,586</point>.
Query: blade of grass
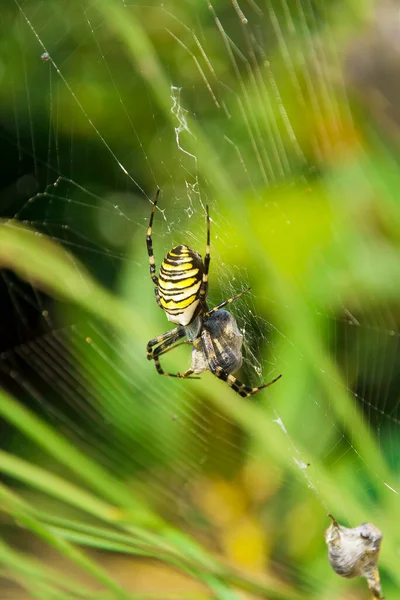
<point>53,269</point>
<point>24,518</point>
<point>68,455</point>
<point>105,539</point>
<point>237,579</point>
<point>34,570</point>
<point>56,486</point>
<point>59,488</point>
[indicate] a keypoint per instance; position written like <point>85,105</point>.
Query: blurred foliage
<point>158,488</point>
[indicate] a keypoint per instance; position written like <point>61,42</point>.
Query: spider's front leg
<point>241,388</point>
<point>164,343</point>
<point>208,313</point>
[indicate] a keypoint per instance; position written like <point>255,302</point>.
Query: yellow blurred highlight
<point>153,579</point>
<point>221,501</point>
<point>245,544</point>
<point>228,505</point>
<point>260,481</point>
<point>336,138</point>
<point>300,226</point>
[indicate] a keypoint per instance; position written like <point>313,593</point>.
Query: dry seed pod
<point>355,552</point>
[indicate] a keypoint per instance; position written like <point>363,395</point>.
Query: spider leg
<point>187,374</point>
<point>225,302</point>
<point>149,242</point>
<point>241,388</point>
<point>173,347</point>
<point>166,343</point>
<point>204,284</point>
<point>162,338</point>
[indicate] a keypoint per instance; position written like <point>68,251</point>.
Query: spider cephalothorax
<point>181,291</point>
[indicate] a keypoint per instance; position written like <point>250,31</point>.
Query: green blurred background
<point>282,116</point>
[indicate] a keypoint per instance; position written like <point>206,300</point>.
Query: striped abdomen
<point>179,283</point>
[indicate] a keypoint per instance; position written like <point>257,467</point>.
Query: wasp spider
<point>181,291</point>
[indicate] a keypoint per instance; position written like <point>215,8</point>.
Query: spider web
<point>80,167</point>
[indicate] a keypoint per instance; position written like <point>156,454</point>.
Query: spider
<point>181,291</point>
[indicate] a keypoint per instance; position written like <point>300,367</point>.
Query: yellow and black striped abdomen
<point>179,283</point>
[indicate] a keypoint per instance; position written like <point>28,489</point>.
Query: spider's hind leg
<point>241,388</point>
<point>167,342</point>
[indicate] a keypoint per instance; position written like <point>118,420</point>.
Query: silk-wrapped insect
<point>355,553</point>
